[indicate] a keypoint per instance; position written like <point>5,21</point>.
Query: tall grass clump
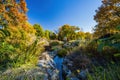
<point>19,47</point>
<point>110,72</point>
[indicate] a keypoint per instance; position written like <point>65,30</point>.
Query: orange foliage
<point>12,12</point>
<point>28,28</point>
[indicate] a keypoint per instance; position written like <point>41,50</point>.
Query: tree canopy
<point>107,17</point>
<point>12,12</point>
<point>68,32</point>
<point>39,30</point>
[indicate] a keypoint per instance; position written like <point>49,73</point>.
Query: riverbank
<point>73,65</point>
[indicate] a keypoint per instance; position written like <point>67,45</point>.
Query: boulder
<point>47,63</point>
<point>55,75</point>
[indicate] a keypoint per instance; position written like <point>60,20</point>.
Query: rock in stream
<point>47,63</point>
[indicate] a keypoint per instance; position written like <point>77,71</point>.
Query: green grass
<point>25,72</point>
<point>111,72</point>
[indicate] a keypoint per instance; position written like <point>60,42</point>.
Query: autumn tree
<point>88,36</point>
<point>12,12</point>
<point>107,17</point>
<point>67,31</point>
<point>81,35</point>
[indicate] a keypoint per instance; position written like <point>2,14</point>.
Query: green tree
<point>39,30</point>
<point>53,36</point>
<point>47,34</point>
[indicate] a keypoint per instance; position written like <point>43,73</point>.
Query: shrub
<point>54,43</point>
<point>62,52</point>
<point>75,42</point>
<point>92,48</point>
<point>56,47</point>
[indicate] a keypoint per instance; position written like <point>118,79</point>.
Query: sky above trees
<point>51,14</point>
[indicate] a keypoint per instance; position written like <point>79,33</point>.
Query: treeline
<point>64,32</point>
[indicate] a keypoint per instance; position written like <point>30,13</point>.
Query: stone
<point>69,73</point>
<point>70,64</point>
<point>83,74</point>
<point>55,75</point>
<point>74,78</point>
<point>45,77</point>
<point>47,63</point>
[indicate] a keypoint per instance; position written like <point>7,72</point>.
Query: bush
<point>55,43</point>
<point>92,48</point>
<point>75,42</point>
<point>56,47</point>
<point>62,52</point>
<point>105,47</point>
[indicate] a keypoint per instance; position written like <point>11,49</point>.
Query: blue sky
<point>51,14</point>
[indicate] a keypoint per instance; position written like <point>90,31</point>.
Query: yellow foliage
<point>21,34</point>
<point>28,27</point>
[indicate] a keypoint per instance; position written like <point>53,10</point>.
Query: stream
<point>58,61</point>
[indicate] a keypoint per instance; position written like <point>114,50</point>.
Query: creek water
<point>58,61</point>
